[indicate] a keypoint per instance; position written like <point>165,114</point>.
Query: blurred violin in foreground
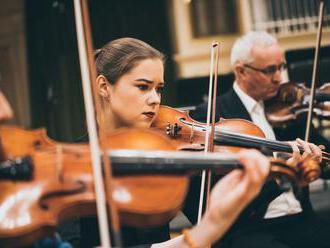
<point>149,186</point>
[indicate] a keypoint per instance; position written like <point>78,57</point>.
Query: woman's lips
<point>149,114</point>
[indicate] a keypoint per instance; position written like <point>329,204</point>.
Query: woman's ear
<point>103,88</point>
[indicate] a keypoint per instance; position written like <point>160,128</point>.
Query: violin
<point>62,186</point>
<point>230,134</point>
<point>292,101</point>
<point>17,142</point>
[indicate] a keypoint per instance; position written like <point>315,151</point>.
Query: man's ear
<point>103,88</point>
<point>239,70</point>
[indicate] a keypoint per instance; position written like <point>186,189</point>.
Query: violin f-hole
<point>62,190</point>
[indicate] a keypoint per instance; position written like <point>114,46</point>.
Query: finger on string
<point>305,145</point>
<point>316,151</point>
<point>296,157</point>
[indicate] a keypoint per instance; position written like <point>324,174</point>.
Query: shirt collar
<point>250,104</point>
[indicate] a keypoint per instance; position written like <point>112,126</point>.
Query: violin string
<point>274,145</point>
<point>325,153</point>
<point>270,143</point>
<point>247,139</point>
<point>258,141</point>
<point>326,158</point>
<point>286,147</point>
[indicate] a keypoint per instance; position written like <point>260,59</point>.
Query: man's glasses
<point>269,70</point>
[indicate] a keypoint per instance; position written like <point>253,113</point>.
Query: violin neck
<point>322,96</point>
<point>248,141</point>
<point>125,162</point>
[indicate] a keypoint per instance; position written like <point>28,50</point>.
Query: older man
<point>275,219</point>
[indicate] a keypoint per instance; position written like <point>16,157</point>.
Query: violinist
<point>274,219</point>
<point>129,85</point>
<point>5,110</point>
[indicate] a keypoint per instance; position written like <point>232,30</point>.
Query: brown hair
<point>119,56</point>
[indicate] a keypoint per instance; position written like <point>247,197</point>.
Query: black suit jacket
<point>229,106</point>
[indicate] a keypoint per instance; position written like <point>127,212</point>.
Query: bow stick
<point>88,74</point>
<point>315,70</point>
<point>209,137</point>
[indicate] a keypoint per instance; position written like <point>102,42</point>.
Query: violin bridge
<point>59,163</point>
<point>191,138</point>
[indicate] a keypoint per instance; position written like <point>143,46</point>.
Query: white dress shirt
<point>286,203</point>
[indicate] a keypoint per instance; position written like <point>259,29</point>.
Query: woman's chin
<point>143,124</point>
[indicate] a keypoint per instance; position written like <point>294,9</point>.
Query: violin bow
<point>209,137</point>
<point>315,70</point>
<point>103,191</point>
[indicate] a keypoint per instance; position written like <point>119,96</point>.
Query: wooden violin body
<point>189,134</point>
<point>31,209</point>
<point>18,142</point>
<point>62,188</point>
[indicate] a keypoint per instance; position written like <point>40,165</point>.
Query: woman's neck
<point>106,122</point>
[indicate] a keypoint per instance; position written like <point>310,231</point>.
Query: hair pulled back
<point>119,56</point>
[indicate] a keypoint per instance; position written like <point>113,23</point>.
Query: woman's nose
<point>154,98</point>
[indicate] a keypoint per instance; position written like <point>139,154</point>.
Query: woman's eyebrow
<point>146,81</point>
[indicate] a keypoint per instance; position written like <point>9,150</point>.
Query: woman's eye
<point>142,87</point>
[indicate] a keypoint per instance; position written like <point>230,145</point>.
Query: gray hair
<point>241,51</point>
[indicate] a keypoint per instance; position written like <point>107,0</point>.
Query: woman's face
<point>135,97</point>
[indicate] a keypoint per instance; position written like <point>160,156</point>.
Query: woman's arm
<point>228,198</point>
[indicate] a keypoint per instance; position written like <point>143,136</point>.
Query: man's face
<point>261,78</point>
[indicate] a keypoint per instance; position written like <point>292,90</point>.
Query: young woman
<point>129,84</point>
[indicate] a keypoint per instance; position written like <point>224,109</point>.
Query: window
<point>213,17</point>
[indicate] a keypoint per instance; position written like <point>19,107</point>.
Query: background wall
<point>13,67</point>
